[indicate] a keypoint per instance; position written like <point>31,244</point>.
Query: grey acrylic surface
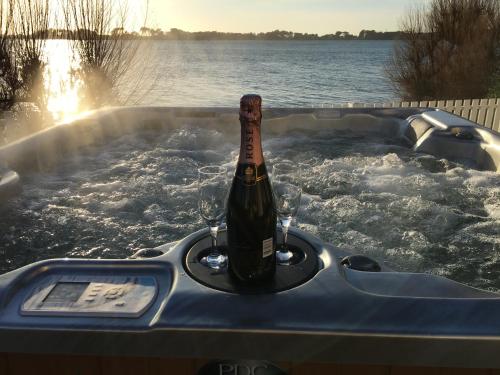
<point>339,315</point>
<point>440,139</point>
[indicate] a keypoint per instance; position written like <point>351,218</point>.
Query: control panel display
<point>91,296</point>
<point>65,292</point>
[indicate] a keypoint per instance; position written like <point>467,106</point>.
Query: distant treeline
<point>177,34</point>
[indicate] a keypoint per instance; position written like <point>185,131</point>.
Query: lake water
<point>286,74</point>
<point>218,73</point>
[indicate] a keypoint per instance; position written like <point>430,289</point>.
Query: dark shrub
<point>451,49</point>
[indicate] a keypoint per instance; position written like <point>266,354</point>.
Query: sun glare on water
<point>61,82</point>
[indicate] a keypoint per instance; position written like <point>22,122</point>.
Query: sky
<point>311,16</point>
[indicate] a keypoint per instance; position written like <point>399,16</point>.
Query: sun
<point>62,86</point>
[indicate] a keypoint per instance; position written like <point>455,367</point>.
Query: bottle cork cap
<point>250,108</point>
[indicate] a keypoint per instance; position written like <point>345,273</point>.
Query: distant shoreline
<point>249,40</point>
<point>180,35</point>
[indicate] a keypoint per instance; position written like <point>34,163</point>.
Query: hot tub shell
<point>339,316</point>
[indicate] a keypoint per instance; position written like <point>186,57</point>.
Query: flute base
<point>286,257</point>
<point>215,261</point>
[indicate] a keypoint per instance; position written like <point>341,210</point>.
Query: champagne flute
<point>287,191</point>
<point>212,192</point>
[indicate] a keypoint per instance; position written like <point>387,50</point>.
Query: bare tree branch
<point>105,55</point>
<point>9,72</point>
<point>30,27</point>
<point>451,50</point>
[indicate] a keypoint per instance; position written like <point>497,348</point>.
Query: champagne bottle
<point>251,215</point>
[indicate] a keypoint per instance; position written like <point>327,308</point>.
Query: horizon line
<point>145,29</point>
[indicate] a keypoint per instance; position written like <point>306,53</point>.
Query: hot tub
<point>407,187</point>
<point>339,316</point>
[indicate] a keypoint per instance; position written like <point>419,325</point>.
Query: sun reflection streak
<point>61,82</point>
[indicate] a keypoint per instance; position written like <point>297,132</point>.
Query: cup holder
<point>304,266</point>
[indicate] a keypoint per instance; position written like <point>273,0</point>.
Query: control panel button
<point>114,292</point>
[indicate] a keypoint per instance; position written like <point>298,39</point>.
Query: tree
<point>105,56</point>
<point>118,32</point>
<point>156,32</point>
<point>145,31</point>
<point>9,70</point>
<point>23,32</point>
<point>495,85</point>
<point>450,49</point>
<point>31,23</point>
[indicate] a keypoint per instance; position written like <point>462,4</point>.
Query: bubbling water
<point>367,194</point>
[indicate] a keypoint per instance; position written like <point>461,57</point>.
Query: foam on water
<point>369,195</point>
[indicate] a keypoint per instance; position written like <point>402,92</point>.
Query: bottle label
<point>267,247</point>
<point>249,174</point>
<point>250,146</point>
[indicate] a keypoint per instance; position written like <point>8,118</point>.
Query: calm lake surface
<point>218,73</point>
<point>286,74</point>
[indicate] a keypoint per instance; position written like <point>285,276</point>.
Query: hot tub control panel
<point>91,296</point>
